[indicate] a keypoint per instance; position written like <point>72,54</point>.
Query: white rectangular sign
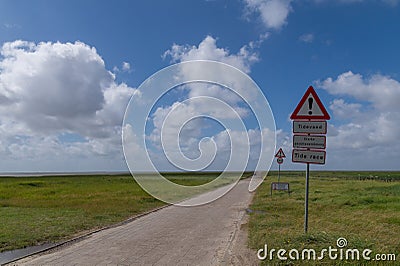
<point>312,127</point>
<point>309,141</point>
<point>280,186</point>
<point>308,156</point>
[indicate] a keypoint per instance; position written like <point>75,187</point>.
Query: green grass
<point>38,210</point>
<point>198,183</point>
<point>195,180</point>
<point>365,212</point>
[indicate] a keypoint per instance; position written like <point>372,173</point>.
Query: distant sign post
<point>279,155</point>
<point>278,185</point>
<point>309,118</point>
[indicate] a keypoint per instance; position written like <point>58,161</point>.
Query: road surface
<point>204,235</point>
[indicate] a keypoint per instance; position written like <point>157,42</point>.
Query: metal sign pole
<point>309,117</point>
<point>306,201</point>
<point>279,172</point>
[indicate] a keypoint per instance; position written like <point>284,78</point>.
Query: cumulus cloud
<point>208,50</point>
<point>368,125</point>
<point>273,13</point>
<point>344,110</point>
<point>181,127</point>
<point>49,89</point>
<point>126,66</point>
<point>381,91</point>
<point>49,79</point>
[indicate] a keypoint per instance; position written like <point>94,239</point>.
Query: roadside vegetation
<point>48,209</point>
<point>362,207</point>
<point>37,210</point>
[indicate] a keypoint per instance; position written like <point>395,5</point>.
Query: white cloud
<point>49,89</point>
<point>256,137</point>
<point>126,66</point>
<point>363,132</point>
<point>208,50</point>
<point>344,110</point>
<point>181,133</point>
<point>369,131</point>
<point>381,91</point>
<point>307,38</point>
<point>273,13</point>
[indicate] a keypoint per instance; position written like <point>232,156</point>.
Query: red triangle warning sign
<point>280,154</point>
<point>310,107</point>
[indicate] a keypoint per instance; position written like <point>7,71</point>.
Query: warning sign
<point>310,107</point>
<point>280,154</point>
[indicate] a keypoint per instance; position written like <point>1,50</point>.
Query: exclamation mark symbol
<point>310,102</point>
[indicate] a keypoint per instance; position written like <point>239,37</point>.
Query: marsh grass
<point>38,210</point>
<point>365,212</point>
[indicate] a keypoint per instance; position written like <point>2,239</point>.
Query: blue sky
<point>68,69</point>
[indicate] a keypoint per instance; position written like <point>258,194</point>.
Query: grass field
<point>360,207</point>
<point>199,184</point>
<point>37,210</point>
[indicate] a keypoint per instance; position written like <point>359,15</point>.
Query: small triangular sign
<point>280,154</point>
<point>310,107</point>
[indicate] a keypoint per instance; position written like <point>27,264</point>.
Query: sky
<point>69,68</point>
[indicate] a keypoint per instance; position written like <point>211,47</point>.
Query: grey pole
<point>279,172</point>
<point>306,201</point>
